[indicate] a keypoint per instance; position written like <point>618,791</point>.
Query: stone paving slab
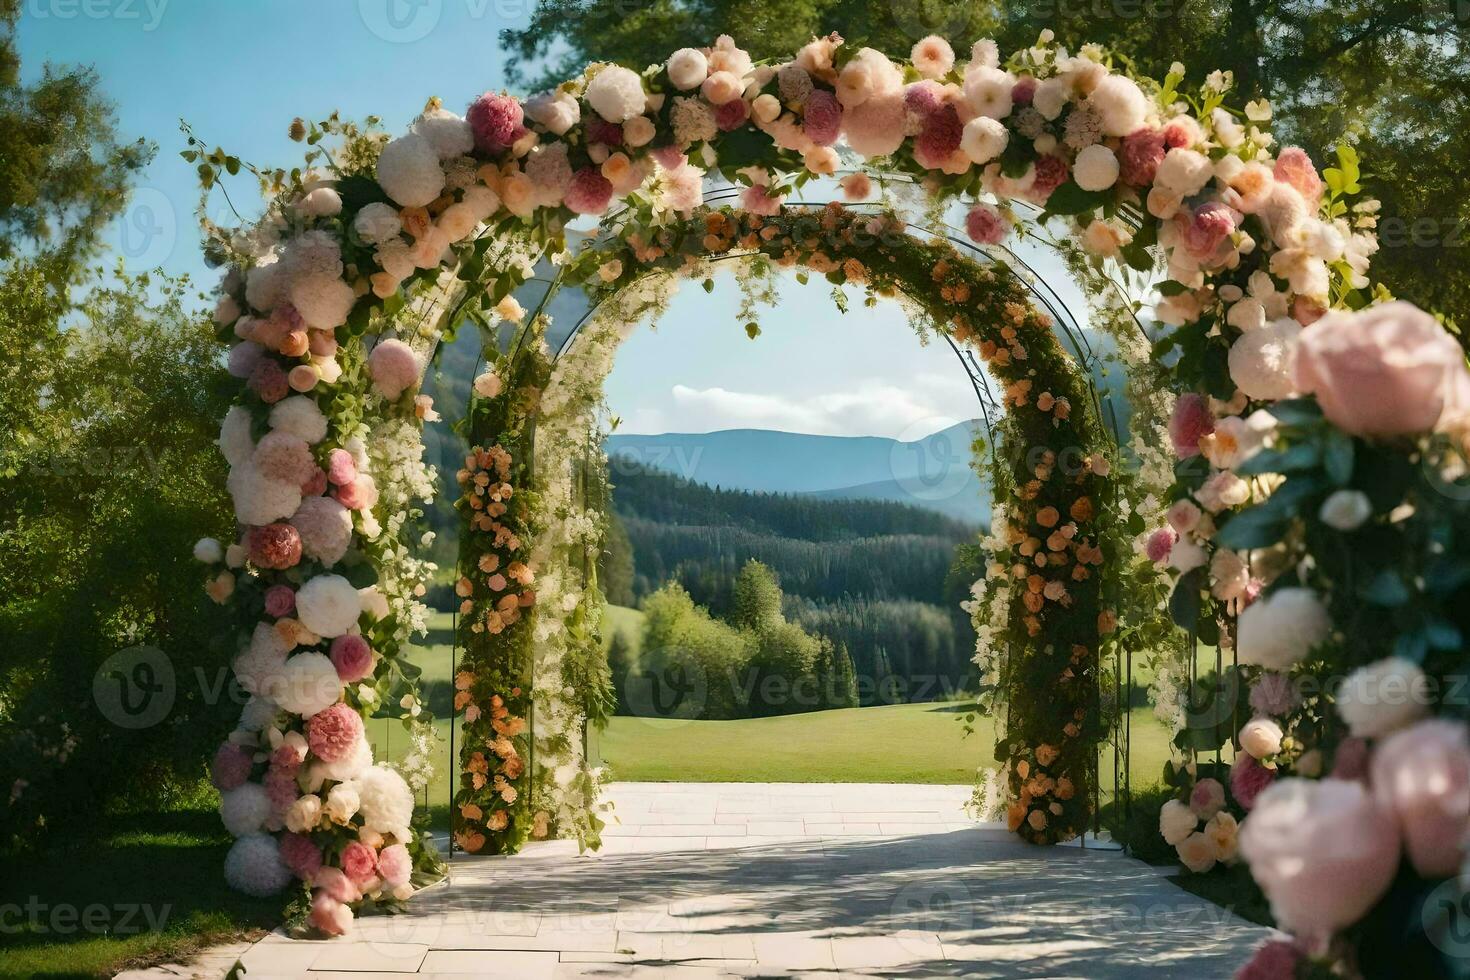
<point>774,880</point>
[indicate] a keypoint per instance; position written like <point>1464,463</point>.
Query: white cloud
<point>870,408</point>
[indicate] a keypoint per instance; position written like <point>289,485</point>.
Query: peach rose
<point>1389,370</point>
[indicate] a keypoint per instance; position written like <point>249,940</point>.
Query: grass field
<point>168,864</point>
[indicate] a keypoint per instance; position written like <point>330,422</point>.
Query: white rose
<point>688,68</point>
<point>983,139</point>
<point>1383,697</point>
<point>342,803</point>
<point>304,814</point>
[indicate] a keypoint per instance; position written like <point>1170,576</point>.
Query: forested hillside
<point>873,578</point>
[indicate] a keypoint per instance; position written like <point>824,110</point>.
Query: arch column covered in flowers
<point>385,246</point>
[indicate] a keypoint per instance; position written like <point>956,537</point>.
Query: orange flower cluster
<point>494,762</point>
<point>485,480</point>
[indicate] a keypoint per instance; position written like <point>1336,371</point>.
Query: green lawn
<point>148,889</point>
<point>168,865</point>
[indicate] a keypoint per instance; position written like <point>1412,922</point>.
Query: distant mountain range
<point>933,472</point>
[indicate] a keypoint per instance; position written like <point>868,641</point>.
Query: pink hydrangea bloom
<point>589,192</point>
<point>341,467</point>
<point>333,733</point>
<point>394,367</point>
<point>922,98</point>
<point>822,119</point>
<point>394,865</point>
<point>275,546</point>
<point>231,766</point>
<point>985,225</point>
<point>496,121</point>
<point>1248,779</point>
<point>329,915</point>
<point>1274,960</point>
<point>359,863</point>
<point>939,137</point>
<point>1273,694</point>
<point>300,855</point>
<point>1160,544</point>
<point>280,600</point>
<point>732,115</point>
<point>1140,157</point>
<point>268,381</point>
<point>281,788</point>
<point>352,657</point>
<point>876,128</point>
<point>1294,167</point>
<point>1190,423</point>
<point>244,358</point>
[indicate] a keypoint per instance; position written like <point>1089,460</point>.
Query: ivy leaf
<point>1386,589</point>
<point>1297,411</point>
<point>1337,457</point>
<point>752,330</point>
<point>709,285</point>
<point>1184,603</point>
<point>1070,199</point>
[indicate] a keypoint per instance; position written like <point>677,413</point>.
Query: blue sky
<point>239,72</point>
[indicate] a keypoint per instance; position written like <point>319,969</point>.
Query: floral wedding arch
<point>336,301</point>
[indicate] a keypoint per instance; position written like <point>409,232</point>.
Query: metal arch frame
<point>991,409</point>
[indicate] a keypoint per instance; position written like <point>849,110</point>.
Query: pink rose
<point>1323,852</point>
<point>1159,544</point>
<point>335,884</point>
<point>1140,157</point>
<point>1207,798</point>
<point>1389,370</point>
<point>1190,423</point>
<point>1294,167</point>
<point>329,915</point>
<point>1422,776</point>
<point>352,657</point>
<point>985,225</point>
<point>341,468</point>
<point>334,733</point>
<point>316,484</point>
<point>268,380</point>
<point>1274,960</point>
<point>280,600</point>
<point>360,494</point>
<point>274,546</point>
<point>1207,228</point>
<point>359,862</point>
<point>394,865</point>
<point>1248,779</point>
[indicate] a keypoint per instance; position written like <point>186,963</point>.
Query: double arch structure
<point>365,262</point>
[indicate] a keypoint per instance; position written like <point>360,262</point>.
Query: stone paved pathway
<point>788,880</point>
